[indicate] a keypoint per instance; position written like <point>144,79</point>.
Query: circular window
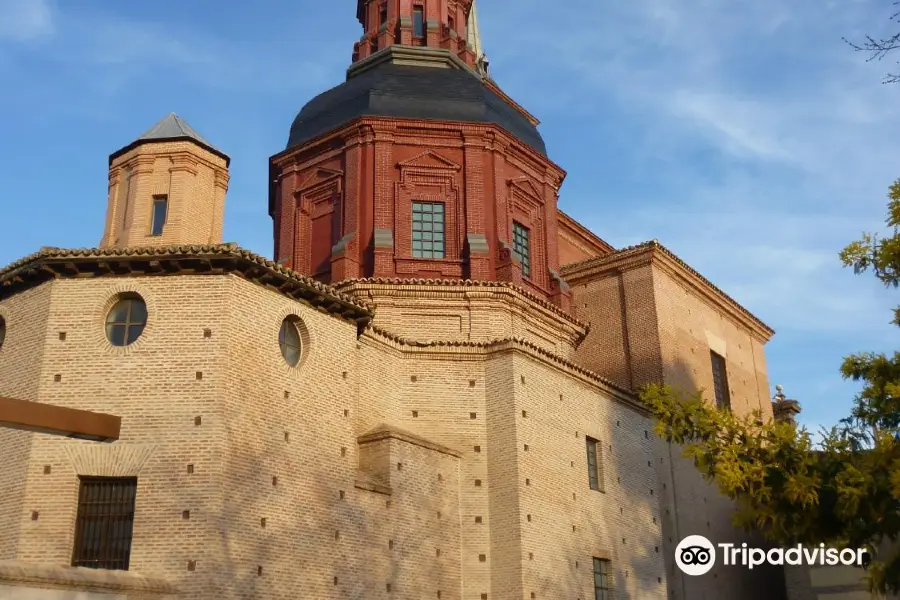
<point>289,340</point>
<point>2,330</point>
<point>126,321</point>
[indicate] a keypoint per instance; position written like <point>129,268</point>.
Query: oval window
<point>289,341</point>
<point>126,320</point>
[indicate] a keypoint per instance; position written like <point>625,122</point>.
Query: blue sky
<point>744,135</point>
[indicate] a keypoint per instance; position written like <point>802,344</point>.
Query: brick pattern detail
<point>647,327</point>
<point>384,165</point>
<point>398,29</point>
<point>194,180</point>
<point>335,525</point>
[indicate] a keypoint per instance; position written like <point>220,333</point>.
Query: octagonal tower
<point>418,165</point>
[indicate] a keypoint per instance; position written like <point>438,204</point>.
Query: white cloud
<point>25,20</point>
<point>760,145</point>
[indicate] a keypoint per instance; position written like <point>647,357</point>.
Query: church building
<point>427,391</point>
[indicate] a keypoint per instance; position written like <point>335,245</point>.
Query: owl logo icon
<point>695,555</point>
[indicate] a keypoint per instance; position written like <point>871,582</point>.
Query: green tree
<point>843,491</point>
<point>879,47</point>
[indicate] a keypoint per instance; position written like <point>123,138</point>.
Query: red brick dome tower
<point>418,165</point>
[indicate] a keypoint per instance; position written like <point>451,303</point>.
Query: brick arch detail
<point>115,460</point>
<point>98,331</point>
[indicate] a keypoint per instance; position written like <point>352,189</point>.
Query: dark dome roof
<point>391,90</point>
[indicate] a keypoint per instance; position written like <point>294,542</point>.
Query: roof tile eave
<point>51,254</point>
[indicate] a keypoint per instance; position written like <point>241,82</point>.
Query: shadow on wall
<point>275,537</point>
<point>628,530</point>
<point>694,506</point>
<point>324,538</point>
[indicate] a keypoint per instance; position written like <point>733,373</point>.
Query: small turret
<point>784,410</point>
<point>166,188</point>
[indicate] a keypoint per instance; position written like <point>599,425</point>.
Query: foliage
<point>843,491</point>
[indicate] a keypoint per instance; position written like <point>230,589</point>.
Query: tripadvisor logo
<point>696,555</point>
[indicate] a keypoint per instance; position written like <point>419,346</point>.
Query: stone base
<point>28,581</point>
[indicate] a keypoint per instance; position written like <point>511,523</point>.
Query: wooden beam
<point>56,420</point>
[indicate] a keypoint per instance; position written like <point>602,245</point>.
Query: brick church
<point>427,391</point>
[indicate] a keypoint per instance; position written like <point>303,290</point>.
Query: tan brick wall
<point>689,328</point>
<point>647,327</point>
<point>477,313</point>
<point>21,355</point>
<point>194,180</point>
<point>624,340</point>
<point>153,386</point>
<point>328,533</point>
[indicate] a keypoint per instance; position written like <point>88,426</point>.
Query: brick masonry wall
<point>623,344</point>
<point>484,178</point>
<point>279,444</point>
<point>469,313</point>
<point>21,355</point>
<point>647,328</point>
<point>155,387</point>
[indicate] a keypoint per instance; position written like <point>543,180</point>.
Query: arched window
<point>2,331</point>
<point>290,343</point>
<point>126,320</point>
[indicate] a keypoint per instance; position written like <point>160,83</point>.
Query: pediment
<point>429,160</point>
<point>525,185</point>
<point>318,177</point>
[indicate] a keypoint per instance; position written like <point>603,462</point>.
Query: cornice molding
<point>466,350</point>
<point>654,253</point>
<point>390,432</point>
<point>422,56</point>
<point>454,288</point>
<point>390,129</point>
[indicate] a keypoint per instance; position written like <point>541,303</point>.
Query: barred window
<point>104,524</point>
<point>428,230</point>
<point>521,247</point>
<point>602,580</point>
<point>595,465</point>
<point>720,381</point>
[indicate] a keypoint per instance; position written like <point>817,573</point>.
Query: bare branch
<point>877,49</point>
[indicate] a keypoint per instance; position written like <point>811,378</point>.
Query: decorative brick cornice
<point>143,159</point>
<point>17,572</point>
<point>356,287</point>
<point>502,141</point>
<point>218,259</point>
<point>475,350</point>
<point>222,179</point>
<point>654,253</point>
<point>390,432</point>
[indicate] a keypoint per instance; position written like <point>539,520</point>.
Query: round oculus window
<point>289,341</point>
<point>126,321</point>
